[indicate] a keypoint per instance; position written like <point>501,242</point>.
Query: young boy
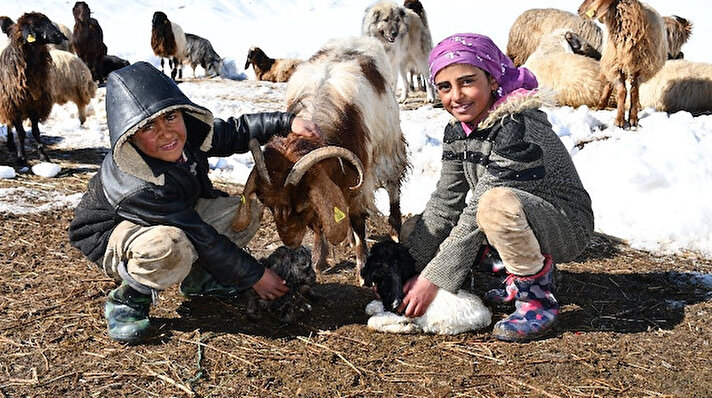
<point>151,217</point>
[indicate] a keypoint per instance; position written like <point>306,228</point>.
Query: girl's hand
<point>419,293</point>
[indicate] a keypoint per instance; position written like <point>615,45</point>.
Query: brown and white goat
<point>635,51</point>
<point>306,184</point>
<point>268,69</point>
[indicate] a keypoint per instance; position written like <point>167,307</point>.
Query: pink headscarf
<point>481,52</point>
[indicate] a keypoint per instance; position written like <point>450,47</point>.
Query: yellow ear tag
<point>590,13</point>
<point>242,199</point>
<point>338,215</point>
<point>30,39</point>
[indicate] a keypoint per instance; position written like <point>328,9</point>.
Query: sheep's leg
<point>82,113</point>
<point>394,216</point>
<point>20,149</point>
<point>634,101</point>
<point>38,139</point>
<point>320,252</point>
<point>603,102</point>
<point>358,223</point>
<point>162,64</point>
<point>621,94</point>
<point>11,147</point>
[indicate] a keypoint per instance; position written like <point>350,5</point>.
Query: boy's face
<point>466,91</point>
<point>163,137</point>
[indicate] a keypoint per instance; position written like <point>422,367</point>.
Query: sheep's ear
<point>330,205</point>
<point>28,34</point>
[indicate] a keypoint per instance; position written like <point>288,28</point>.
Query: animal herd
<point>349,87</point>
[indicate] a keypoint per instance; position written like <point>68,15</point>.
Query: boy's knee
<point>499,206</point>
<point>161,258</point>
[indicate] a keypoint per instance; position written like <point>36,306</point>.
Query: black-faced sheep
<point>199,51</point>
<point>406,40</point>
<point>71,80</point>
<point>388,267</point>
<point>343,89</point>
<point>168,41</point>
<point>272,70</point>
<point>295,267</point>
<point>111,63</point>
<point>24,79</point>
<point>680,85</point>
<point>417,7</point>
<point>678,30</point>
<point>553,62</point>
<point>530,26</point>
<point>65,45</point>
<point>635,51</point>
<point>88,39</point>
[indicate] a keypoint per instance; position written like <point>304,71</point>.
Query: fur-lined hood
<point>136,94</point>
<point>515,102</point>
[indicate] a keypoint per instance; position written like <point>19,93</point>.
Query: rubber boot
<point>126,313</point>
<point>536,308</point>
<point>200,283</point>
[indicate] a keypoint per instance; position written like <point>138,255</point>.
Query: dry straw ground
<point>632,325</point>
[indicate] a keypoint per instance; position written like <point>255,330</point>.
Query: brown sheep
<point>529,27</point>
<point>168,41</point>
<point>268,69</point>
<point>635,51</point>
<point>678,31</point>
<point>343,89</point>
<point>24,79</point>
<point>88,39</point>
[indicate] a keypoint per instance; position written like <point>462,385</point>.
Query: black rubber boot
<point>126,313</point>
<point>200,283</point>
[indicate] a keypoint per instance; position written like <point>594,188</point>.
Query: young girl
<point>527,200</point>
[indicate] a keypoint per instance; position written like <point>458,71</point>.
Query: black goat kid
<point>295,267</point>
<point>388,267</point>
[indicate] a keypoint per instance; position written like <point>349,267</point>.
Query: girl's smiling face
<point>465,91</point>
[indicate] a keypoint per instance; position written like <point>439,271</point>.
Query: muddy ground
<point>632,325</point>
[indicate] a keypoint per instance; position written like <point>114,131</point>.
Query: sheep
<point>680,85</point>
<point>295,267</point>
<point>635,51</point>
<point>417,7</point>
<point>530,26</point>
<point>678,31</point>
<point>71,80</point>
<point>199,51</point>
<point>573,79</point>
<point>343,89</point>
<point>24,79</point>
<point>388,267</point>
<point>65,45</point>
<point>111,63</point>
<point>168,41</point>
<point>88,39</point>
<point>273,70</point>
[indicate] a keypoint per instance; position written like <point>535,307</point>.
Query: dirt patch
<point>632,324</point>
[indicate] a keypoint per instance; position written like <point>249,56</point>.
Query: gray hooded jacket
<point>148,191</point>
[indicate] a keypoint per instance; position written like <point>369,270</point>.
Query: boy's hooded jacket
<point>148,191</point>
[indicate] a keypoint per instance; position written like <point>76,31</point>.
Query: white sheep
<point>71,80</point>
<point>573,79</point>
<point>680,85</point>
<point>447,314</point>
<point>532,25</point>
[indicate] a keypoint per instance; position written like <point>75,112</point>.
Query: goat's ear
<point>243,217</point>
<point>329,203</point>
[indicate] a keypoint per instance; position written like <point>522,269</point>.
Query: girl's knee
<point>498,205</point>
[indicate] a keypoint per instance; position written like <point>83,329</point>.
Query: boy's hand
<point>306,128</point>
<point>270,286</point>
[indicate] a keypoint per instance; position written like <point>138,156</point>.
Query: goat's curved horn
<point>259,158</point>
<point>319,154</point>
